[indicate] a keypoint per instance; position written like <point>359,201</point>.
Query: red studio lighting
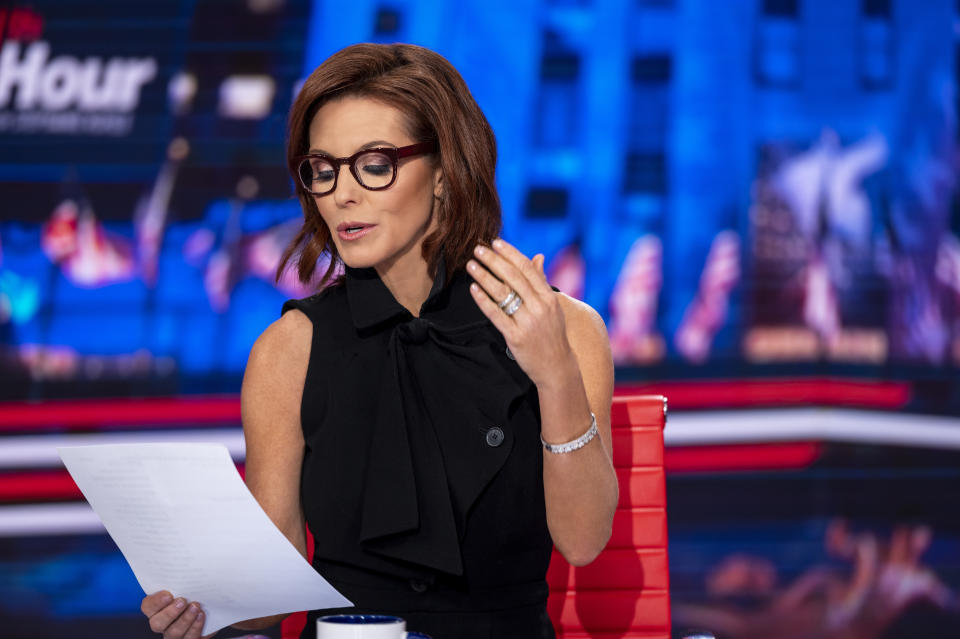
<point>20,23</point>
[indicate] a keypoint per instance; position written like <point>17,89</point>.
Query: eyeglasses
<point>374,169</point>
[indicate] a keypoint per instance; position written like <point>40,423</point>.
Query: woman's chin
<point>356,259</point>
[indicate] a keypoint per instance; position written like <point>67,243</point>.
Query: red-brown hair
<point>437,105</point>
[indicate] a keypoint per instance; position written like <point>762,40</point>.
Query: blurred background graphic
<point>759,196</point>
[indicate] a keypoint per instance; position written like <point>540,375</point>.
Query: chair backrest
<point>624,593</point>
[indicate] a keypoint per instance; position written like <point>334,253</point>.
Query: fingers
<point>163,618</point>
<point>538,261</point>
<point>197,627</point>
<point>516,272</point>
<point>187,626</point>
<point>501,321</point>
<point>496,289</point>
<point>519,261</point>
<point>176,619</point>
<point>506,272</point>
<point>154,603</point>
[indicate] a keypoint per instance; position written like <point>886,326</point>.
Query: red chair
<point>624,593</point>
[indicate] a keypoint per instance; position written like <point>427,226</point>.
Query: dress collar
<point>371,302</point>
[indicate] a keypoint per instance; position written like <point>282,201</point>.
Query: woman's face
<point>396,219</point>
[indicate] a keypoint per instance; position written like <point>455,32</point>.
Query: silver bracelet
<point>579,442</point>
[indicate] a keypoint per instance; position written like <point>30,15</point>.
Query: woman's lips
<point>346,234</point>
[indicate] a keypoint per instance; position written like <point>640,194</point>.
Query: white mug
<point>364,627</point>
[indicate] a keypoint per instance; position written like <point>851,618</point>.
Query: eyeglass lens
<point>373,169</point>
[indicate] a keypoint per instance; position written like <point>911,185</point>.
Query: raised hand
<point>533,327</point>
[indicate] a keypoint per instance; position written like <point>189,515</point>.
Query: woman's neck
<point>409,281</point>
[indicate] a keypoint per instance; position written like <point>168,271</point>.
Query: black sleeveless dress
<point>422,478</point>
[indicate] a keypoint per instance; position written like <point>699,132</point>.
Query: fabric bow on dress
<point>442,391</point>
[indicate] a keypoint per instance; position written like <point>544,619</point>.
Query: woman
<point>416,413</point>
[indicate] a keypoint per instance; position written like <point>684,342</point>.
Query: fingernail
<point>180,603</point>
<point>497,243</point>
<point>472,265</point>
<point>166,599</point>
<point>200,616</point>
<point>474,288</point>
<point>479,250</point>
<point>194,609</point>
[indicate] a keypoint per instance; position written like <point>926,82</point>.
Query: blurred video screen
<point>785,206</point>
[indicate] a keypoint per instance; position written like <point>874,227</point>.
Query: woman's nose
<point>348,189</point>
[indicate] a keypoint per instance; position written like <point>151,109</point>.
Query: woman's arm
<point>270,410</point>
<point>580,487</point>
<point>562,345</point>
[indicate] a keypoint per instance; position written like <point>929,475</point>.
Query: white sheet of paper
<point>185,522</point>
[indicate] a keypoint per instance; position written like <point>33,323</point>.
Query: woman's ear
<point>438,183</point>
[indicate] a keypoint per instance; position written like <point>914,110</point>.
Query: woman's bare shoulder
<point>276,371</point>
<point>588,338</point>
<point>289,336</point>
<point>582,320</point>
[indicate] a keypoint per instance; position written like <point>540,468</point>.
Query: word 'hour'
<point>31,80</point>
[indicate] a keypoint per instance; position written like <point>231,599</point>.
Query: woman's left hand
<point>536,332</point>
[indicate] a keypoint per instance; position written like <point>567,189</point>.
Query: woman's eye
<point>324,176</point>
<point>377,169</point>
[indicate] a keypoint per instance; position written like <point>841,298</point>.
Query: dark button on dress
<point>494,437</point>
<point>422,478</point>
